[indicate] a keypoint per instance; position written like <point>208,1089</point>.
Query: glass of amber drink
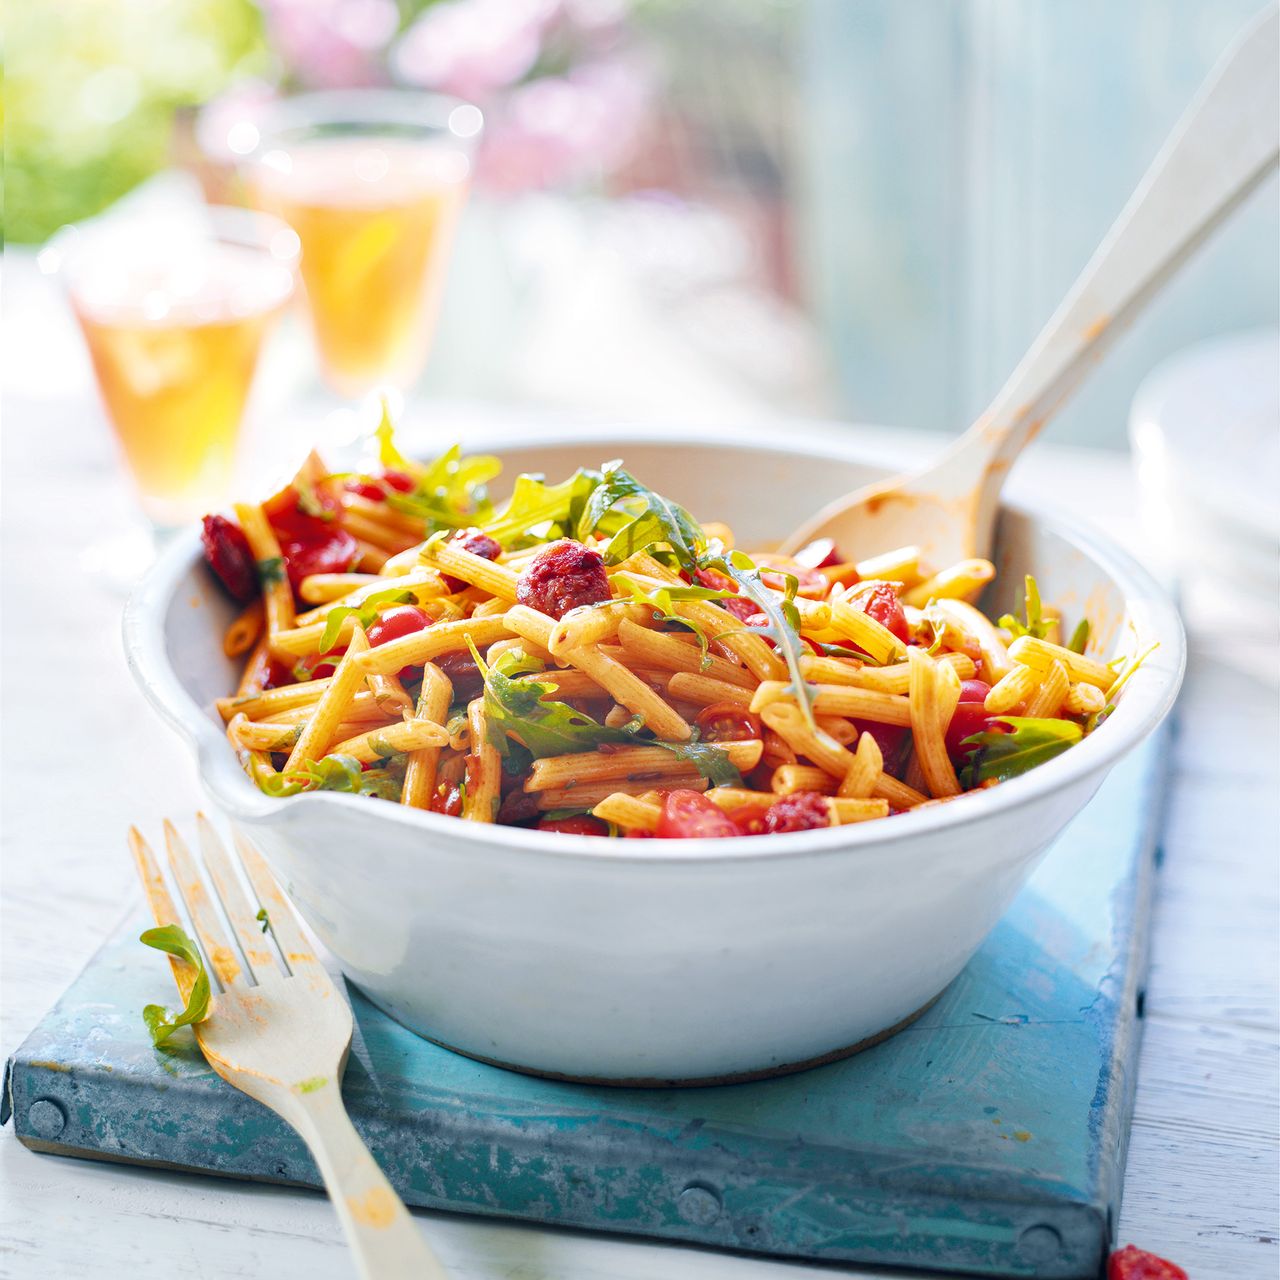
<point>373,182</point>
<point>174,313</point>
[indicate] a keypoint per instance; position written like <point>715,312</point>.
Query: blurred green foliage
<point>91,87</point>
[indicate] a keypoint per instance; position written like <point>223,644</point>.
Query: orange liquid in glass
<point>376,218</point>
<point>175,350</point>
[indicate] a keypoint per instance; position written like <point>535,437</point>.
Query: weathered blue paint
<point>989,1137</point>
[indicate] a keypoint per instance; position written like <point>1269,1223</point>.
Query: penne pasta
<point>1051,692</point>
<point>961,581</point>
<point>868,764</point>
<point>1041,655</point>
<point>277,595</point>
<point>934,693</point>
<point>331,710</point>
<point>840,700</point>
<point>1011,690</point>
<point>426,646</point>
<point>629,812</point>
<point>422,766</point>
<point>386,740</point>
<point>497,579</point>
<point>245,630</point>
<point>589,794</point>
<point>484,769</point>
<point>634,764</point>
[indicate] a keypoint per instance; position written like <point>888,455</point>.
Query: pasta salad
<point>588,658</point>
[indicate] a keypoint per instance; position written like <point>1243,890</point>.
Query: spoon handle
<point>1226,143</point>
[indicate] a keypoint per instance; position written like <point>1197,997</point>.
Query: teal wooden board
<point>989,1137</point>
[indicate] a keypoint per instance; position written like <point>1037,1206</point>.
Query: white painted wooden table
<point>83,757</point>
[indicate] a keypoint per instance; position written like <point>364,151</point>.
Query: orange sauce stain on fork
<point>376,1208</point>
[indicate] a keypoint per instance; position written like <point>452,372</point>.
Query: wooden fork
<point>281,1035</point>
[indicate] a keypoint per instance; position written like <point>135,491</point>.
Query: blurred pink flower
<point>332,43</point>
<point>472,48</point>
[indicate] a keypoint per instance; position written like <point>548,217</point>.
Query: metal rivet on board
<point>699,1204</point>
<point>46,1118</point>
<point>1041,1243</point>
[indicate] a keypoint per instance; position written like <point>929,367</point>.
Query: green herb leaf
<point>781,617</point>
<point>271,571</point>
<point>537,509</point>
<point>516,709</point>
<point>1035,624</point>
<point>1079,641</point>
<point>388,455</point>
<point>263,919</point>
<point>162,1022</point>
<point>710,761</point>
<point>1128,665</point>
<point>309,501</point>
<point>330,773</point>
<point>367,611</point>
<point>1007,755</point>
<point>655,521</point>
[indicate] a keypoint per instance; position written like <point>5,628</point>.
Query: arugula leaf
<point>1035,625</point>
<point>330,773</point>
<point>1079,641</point>
<point>309,501</point>
<point>1128,666</point>
<point>655,521</point>
<point>1007,755</point>
<point>367,611</point>
<point>271,571</point>
<point>388,455</point>
<point>515,708</point>
<point>782,617</point>
<point>520,715</point>
<point>263,918</point>
<point>534,504</point>
<point>162,1022</point>
<point>710,761</point>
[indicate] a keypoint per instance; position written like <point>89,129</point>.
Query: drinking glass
<point>373,181</point>
<point>174,312</point>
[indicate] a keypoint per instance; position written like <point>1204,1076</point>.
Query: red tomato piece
<point>1131,1263</point>
<point>888,737</point>
<point>333,551</point>
<point>463,674</point>
<point>227,551</point>
<point>883,605</point>
<point>689,815</point>
<point>370,489</point>
<point>315,666</point>
<point>563,576</point>
<point>974,690</point>
<point>447,800</point>
<point>277,675</point>
<point>723,722</point>
<point>479,544</point>
<point>714,580</point>
<point>581,824</point>
<point>400,481</point>
<point>808,581</point>
<point>819,554</point>
<point>799,811</point>
<point>639,833</point>
<point>399,620</point>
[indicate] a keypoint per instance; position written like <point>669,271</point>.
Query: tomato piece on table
<point>723,722</point>
<point>581,824</point>
<point>1132,1263</point>
<point>689,815</point>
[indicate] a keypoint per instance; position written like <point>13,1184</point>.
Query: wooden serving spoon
<point>1221,149</point>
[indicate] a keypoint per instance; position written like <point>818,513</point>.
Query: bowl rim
<point>1148,697</point>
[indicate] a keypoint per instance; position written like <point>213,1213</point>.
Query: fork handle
<point>383,1237</point>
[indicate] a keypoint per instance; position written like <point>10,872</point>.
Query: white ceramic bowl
<point>665,961</point>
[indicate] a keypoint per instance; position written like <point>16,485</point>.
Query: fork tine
<point>163,910</point>
<point>284,924</point>
<point>235,902</point>
<point>217,946</point>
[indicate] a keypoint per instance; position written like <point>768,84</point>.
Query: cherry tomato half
<point>1131,1263</point>
<point>581,824</point>
<point>399,620</point>
<point>889,738</point>
<point>332,551</point>
<point>723,722</point>
<point>969,717</point>
<point>690,815</point>
<point>883,605</point>
<point>369,489</point>
<point>400,481</point>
